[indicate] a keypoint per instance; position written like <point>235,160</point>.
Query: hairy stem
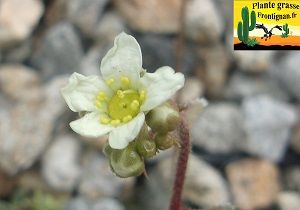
<point>184,134</point>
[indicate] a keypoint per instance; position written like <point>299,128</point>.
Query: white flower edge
<point>80,92</point>
<point>89,125</point>
<point>122,135</point>
<point>124,59</point>
<point>119,137</point>
<point>160,86</point>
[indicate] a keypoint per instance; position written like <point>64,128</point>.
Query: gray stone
<point>157,51</point>
<point>54,105</point>
<point>295,143</point>
<point>158,16</point>
<point>27,126</point>
<point>77,204</point>
<point>98,181</point>
<point>219,128</point>
<point>193,88</point>
<point>20,83</point>
<point>291,177</point>
<point>85,14</point>
<point>204,185</point>
<point>241,86</point>
<point>288,74</point>
<point>60,52</point>
<point>268,123</point>
<point>254,183</point>
<point>107,204</point>
<point>17,20</point>
<point>254,61</point>
<point>19,53</point>
<point>110,25</point>
<point>60,163</point>
<point>226,10</point>
<point>90,63</point>
<point>203,22</point>
<point>214,74</point>
<point>289,200</point>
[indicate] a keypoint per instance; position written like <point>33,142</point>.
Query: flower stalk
<point>184,134</point>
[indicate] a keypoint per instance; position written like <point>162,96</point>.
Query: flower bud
<point>126,162</point>
<point>164,118</point>
<point>146,148</point>
<point>107,150</point>
<point>164,141</point>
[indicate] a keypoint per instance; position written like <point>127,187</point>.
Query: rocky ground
<point>246,144</point>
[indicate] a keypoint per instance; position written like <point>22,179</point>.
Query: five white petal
<point>160,86</point>
<point>120,136</point>
<point>89,125</point>
<point>81,91</point>
<point>123,60</point>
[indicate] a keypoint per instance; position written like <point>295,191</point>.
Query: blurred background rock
<point>246,144</point>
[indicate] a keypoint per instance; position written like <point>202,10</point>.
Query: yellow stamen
<point>142,95</point>
<point>105,120</point>
<point>127,118</point>
<point>110,82</point>
<point>134,105</point>
<point>101,96</point>
<point>120,94</point>
<point>124,80</point>
<point>98,104</point>
<point>115,122</point>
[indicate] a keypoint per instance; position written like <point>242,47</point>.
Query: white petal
<point>120,136</point>
<point>90,125</point>
<point>80,92</point>
<point>160,86</point>
<point>123,60</point>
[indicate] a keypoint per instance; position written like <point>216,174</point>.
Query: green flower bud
<point>164,141</point>
<point>126,162</point>
<point>107,150</point>
<point>164,118</point>
<point>146,148</point>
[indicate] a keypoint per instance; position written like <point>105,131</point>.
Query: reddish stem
<point>184,134</point>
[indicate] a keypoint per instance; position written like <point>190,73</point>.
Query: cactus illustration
<point>243,27</point>
<point>285,27</point>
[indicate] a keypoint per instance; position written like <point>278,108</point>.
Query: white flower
<point>117,101</point>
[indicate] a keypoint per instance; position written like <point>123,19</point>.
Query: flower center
<point>122,106</point>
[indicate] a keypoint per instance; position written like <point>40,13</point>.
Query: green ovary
<point>122,106</point>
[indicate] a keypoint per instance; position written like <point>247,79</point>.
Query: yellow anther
<point>104,120</point>
<point>127,118</point>
<point>134,105</point>
<point>98,104</point>
<point>110,82</point>
<point>124,80</point>
<point>142,95</point>
<point>120,94</point>
<point>101,96</point>
<point>115,122</point>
